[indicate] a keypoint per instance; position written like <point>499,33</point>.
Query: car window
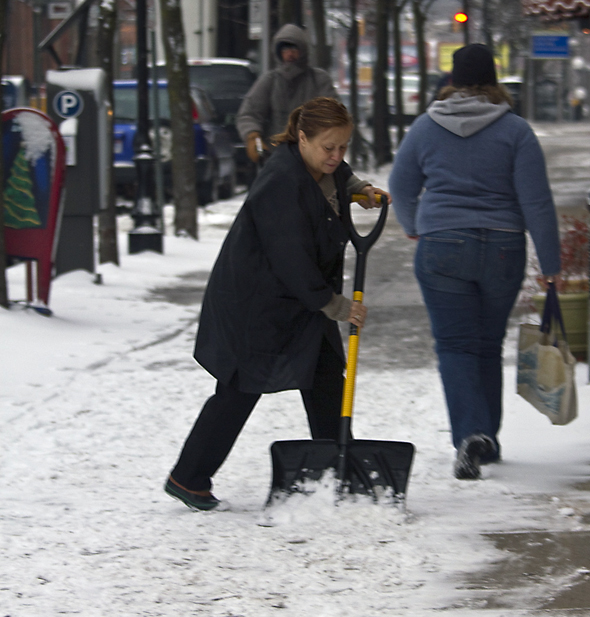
<point>222,80</point>
<point>219,80</point>
<point>125,100</point>
<point>409,81</point>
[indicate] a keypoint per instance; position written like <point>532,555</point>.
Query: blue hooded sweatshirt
<point>469,163</point>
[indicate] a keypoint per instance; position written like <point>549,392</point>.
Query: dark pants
<point>470,279</point>
<point>224,414</point>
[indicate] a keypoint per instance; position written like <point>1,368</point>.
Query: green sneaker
<point>190,498</point>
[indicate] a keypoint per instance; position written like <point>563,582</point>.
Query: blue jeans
<point>470,279</point>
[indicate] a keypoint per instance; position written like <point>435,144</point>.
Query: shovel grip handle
<point>362,244</point>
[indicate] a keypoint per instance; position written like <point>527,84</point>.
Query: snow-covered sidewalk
<point>95,402</point>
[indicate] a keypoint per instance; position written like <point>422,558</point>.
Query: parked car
<point>214,152</point>
<point>226,81</point>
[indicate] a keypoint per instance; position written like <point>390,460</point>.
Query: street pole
<point>266,51</point>
<point>146,234</point>
<point>157,141</point>
<point>466,24</point>
<point>37,71</point>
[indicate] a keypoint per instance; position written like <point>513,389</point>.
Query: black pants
<point>224,414</point>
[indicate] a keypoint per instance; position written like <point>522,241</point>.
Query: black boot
<point>469,455</point>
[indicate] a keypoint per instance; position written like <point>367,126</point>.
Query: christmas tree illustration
<point>19,202</point>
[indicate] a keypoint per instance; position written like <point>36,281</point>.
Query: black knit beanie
<point>473,65</point>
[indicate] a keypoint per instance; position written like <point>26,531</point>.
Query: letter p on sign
<point>68,104</point>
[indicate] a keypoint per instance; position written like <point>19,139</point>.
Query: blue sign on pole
<point>550,46</point>
<point>68,104</point>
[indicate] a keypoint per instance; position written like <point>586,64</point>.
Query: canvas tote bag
<point>546,367</point>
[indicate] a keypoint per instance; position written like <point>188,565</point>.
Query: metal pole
<point>201,29</point>
<point>560,94</point>
<point>588,320</point>
<point>157,141</point>
<point>37,73</point>
<point>530,99</point>
<point>265,64</point>
<point>466,24</point>
<point>146,235</point>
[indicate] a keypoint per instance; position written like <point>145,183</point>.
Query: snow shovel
<point>380,469</point>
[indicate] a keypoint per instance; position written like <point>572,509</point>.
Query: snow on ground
<point>96,402</point>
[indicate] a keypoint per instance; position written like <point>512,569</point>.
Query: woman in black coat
<point>270,312</point>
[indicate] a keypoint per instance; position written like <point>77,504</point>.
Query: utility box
<point>77,102</point>
<point>15,91</point>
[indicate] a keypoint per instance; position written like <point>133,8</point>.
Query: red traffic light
<point>460,17</point>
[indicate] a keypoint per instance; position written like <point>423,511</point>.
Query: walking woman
<point>270,312</point>
<point>468,180</point>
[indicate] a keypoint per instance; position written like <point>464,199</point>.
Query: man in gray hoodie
<point>275,94</point>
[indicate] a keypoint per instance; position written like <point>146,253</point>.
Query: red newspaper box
<point>34,168</point>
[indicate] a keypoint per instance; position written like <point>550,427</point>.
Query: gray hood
<point>290,33</point>
<point>466,115</point>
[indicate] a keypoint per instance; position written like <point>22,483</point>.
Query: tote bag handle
<point>552,311</point>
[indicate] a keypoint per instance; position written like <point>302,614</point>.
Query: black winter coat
<point>280,263</point>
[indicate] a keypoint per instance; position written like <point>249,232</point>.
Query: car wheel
<point>228,188</point>
<point>208,191</point>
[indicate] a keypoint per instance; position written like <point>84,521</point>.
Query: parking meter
<point>77,102</point>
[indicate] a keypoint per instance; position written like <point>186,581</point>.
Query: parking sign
<point>68,104</point>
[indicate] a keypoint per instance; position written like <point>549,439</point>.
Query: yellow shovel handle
<point>353,348</point>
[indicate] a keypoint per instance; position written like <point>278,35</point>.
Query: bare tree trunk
<point>108,251</point>
<point>323,55</point>
<point>397,54</point>
<point>3,285</point>
<point>352,50</point>
<point>290,12</point>
<point>184,184</point>
<point>487,24</point>
<point>419,23</point>
<point>381,139</point>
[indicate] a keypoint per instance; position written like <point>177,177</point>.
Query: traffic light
<point>461,23</point>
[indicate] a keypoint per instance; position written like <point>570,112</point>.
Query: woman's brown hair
<point>314,117</point>
<point>495,94</point>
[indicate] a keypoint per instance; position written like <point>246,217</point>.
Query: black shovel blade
<point>370,466</point>
<point>297,461</point>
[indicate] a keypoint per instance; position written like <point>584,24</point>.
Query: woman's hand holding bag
<point>546,367</point>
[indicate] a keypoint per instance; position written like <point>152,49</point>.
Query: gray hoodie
<point>275,94</point>
<point>465,116</point>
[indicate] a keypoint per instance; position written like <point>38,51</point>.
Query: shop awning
<point>556,9</point>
